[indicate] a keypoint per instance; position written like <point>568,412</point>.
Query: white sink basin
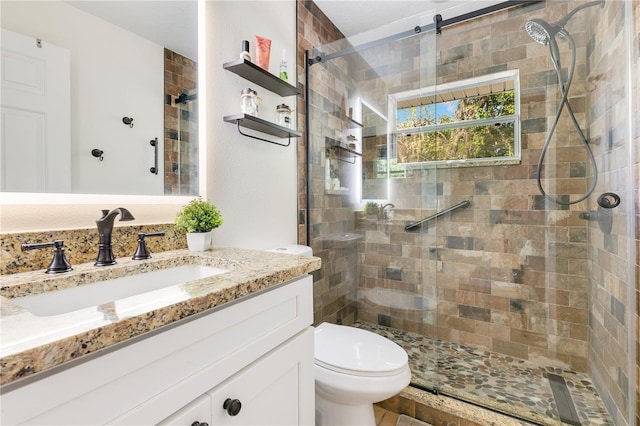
<point>71,299</point>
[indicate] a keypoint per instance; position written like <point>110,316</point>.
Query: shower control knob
<point>232,406</point>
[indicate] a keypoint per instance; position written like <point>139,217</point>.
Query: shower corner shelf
<point>264,126</point>
<point>352,124</point>
<point>250,71</point>
<point>341,151</point>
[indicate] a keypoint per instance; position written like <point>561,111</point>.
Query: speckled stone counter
<point>30,344</point>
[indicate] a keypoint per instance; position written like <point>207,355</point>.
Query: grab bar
<point>412,226</point>
<point>154,144</point>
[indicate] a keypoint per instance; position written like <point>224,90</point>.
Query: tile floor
<point>503,383</point>
<point>389,418</point>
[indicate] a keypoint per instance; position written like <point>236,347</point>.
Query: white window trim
<point>510,75</point>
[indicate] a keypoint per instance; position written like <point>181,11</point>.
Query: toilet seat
<point>357,352</point>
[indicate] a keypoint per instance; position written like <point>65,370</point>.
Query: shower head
<point>545,33</point>
<point>540,31</point>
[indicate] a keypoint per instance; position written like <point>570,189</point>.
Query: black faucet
<point>59,263</point>
<point>105,228</point>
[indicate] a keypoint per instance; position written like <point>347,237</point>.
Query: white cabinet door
<point>196,413</point>
<point>272,390</point>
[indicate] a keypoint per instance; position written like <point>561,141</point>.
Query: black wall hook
<point>128,121</point>
<point>97,153</point>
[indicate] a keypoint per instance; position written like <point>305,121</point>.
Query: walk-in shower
<point>514,302</point>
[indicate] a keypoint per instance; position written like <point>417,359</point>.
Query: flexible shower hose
<point>565,93</point>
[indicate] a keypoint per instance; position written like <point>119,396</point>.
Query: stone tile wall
<point>510,272</point>
<point>180,125</point>
<point>609,317</point>
<point>331,215</point>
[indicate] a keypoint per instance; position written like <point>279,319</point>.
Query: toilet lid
<point>359,352</point>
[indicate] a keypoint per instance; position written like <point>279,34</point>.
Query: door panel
<point>35,147</point>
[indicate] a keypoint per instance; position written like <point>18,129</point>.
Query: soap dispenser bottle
<point>283,67</point>
<point>245,51</point>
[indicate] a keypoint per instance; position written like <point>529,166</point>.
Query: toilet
<point>355,368</point>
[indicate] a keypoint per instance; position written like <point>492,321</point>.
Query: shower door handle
<point>154,144</point>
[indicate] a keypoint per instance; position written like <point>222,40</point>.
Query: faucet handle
<point>59,263</point>
<point>142,252</point>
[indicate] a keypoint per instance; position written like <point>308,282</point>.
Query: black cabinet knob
<point>197,423</point>
<point>232,406</point>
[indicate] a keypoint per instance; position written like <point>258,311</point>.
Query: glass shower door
<point>376,274</point>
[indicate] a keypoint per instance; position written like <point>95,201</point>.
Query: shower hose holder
<point>604,215</point>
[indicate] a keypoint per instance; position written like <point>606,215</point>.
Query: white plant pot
<point>199,241</point>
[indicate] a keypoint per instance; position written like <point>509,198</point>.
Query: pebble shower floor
<point>506,384</point>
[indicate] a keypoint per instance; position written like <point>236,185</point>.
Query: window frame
<point>455,86</point>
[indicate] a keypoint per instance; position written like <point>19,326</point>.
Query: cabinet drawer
<point>195,413</point>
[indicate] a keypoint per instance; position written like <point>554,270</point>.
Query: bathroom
<point>272,209</point>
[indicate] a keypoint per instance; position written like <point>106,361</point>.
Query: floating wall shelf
<point>353,124</point>
<point>264,126</point>
<point>250,71</point>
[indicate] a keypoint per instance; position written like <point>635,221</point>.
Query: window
<point>468,122</point>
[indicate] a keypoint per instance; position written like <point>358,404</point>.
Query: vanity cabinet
<point>258,350</point>
<point>264,393</point>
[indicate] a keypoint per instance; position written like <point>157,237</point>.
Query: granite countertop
<point>31,344</point>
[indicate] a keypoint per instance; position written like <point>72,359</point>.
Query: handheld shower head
<point>540,31</point>
<point>543,32</point>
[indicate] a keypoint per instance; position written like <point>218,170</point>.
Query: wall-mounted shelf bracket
<point>264,126</point>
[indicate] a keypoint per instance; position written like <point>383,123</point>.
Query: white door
<point>35,149</point>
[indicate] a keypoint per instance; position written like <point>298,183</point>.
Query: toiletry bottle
<point>283,66</point>
<point>245,51</point>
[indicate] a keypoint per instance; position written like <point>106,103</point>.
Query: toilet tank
<point>294,249</point>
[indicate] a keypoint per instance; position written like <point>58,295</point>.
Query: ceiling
<point>366,20</point>
<point>173,23</point>
<point>169,23</point>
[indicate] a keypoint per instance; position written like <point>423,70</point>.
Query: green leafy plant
<point>371,208</point>
<point>198,216</point>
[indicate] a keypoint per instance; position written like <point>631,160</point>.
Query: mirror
<point>375,158</point>
<point>113,62</point>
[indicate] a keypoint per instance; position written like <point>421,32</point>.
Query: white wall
<point>252,182</point>
<point>114,73</point>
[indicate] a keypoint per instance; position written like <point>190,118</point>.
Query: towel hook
<point>98,153</point>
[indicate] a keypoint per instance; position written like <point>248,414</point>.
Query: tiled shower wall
<point>180,125</point>
<point>334,286</point>
<point>511,271</point>
<point>609,317</point>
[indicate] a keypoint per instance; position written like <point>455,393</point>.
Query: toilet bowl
<point>353,369</point>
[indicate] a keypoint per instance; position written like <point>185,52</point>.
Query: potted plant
<point>372,209</point>
<point>198,219</point>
